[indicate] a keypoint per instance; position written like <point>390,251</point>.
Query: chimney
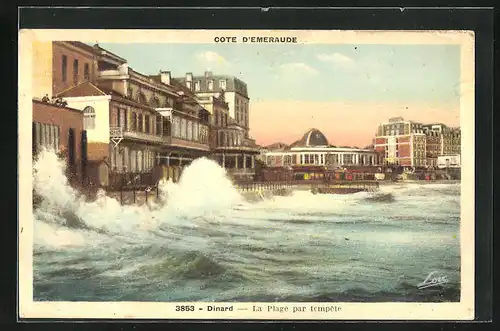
<point>165,77</point>
<point>208,73</point>
<point>189,77</point>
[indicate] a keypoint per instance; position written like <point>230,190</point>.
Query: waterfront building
<point>413,144</point>
<point>313,152</point>
<point>448,161</point>
<point>138,122</point>
<point>235,94</point>
<point>401,142</point>
<point>60,128</point>
<point>449,138</point>
<point>59,65</point>
<point>134,121</point>
<point>227,99</point>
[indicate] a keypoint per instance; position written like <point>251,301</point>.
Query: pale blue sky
<point>324,73</point>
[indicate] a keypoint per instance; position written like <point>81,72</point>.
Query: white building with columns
<point>313,149</point>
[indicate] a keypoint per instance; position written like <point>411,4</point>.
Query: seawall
<point>259,195</point>
<point>135,197</point>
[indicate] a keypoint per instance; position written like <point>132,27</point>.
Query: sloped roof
<point>84,88</point>
<point>278,145</point>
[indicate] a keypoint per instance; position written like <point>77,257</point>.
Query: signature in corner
<point>433,279</point>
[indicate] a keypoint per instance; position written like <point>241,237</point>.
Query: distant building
<point>413,144</point>
<point>449,138</point>
<point>227,139</point>
<point>313,149</point>
<point>448,161</point>
<point>234,149</point>
<point>235,94</point>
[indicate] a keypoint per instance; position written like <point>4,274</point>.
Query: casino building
<point>313,152</point>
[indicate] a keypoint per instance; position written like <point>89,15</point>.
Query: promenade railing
<point>306,184</point>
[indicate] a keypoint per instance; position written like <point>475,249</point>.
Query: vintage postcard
<point>246,174</point>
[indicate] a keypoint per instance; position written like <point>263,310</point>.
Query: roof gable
<point>84,89</point>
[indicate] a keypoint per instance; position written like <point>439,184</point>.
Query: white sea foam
<point>204,200</point>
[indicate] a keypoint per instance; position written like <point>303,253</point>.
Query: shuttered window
<point>45,136</point>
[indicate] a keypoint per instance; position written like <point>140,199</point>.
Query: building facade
<point>313,149</point>
<point>60,65</point>
<point>60,128</point>
<point>235,94</point>
<point>136,123</point>
<point>413,144</point>
<point>227,98</point>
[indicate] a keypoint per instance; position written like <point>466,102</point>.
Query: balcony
<point>146,137</point>
<point>178,142</point>
<point>118,133</point>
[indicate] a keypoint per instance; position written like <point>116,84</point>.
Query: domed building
<point>312,138</point>
<point>313,151</point>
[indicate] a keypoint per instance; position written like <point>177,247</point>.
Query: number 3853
<point>184,308</point>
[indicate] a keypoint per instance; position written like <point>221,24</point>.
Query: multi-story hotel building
<point>227,99</point>
<point>132,121</point>
<point>413,144</point>
<point>235,94</point>
<point>136,122</point>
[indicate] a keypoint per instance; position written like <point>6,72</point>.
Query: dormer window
<point>210,85</point>
<point>222,84</point>
<point>197,86</point>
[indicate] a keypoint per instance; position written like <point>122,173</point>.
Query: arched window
<point>154,102</point>
<point>89,118</point>
<point>141,98</point>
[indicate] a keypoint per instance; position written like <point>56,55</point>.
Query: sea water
<point>206,242</point>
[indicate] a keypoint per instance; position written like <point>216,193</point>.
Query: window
<point>210,85</point>
<point>159,125</point>
<point>140,126</point>
<point>154,102</point>
<point>197,86</point>
<point>71,147</point>
<point>124,118</point>
<point>45,135</point>
<point>133,123</point>
<point>141,98</point>
<point>148,123</point>
<point>64,68</point>
<point>177,127</point>
<point>75,71</point>
<point>183,128</point>
<point>89,118</point>
<point>195,131</point>
<point>167,127</point>
<point>86,71</point>
<point>222,84</point>
<point>189,130</point>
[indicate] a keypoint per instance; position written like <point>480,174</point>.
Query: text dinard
<point>256,40</point>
